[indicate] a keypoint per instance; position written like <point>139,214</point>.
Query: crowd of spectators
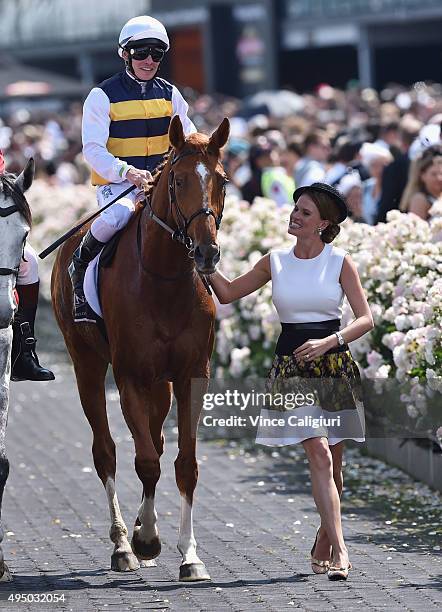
<point>382,150</point>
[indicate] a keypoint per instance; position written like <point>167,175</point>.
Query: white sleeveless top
<point>307,290</point>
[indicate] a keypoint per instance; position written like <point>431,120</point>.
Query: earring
<point>319,230</point>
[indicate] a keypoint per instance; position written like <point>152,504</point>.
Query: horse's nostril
<point>207,251</point>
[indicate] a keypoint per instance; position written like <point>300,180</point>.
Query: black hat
<point>337,197</point>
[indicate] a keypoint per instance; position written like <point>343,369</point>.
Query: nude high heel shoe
<point>318,566</point>
<point>338,573</point>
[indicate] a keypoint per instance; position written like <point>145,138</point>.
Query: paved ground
<point>255,524</point>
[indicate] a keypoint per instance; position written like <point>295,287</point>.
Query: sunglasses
<point>156,53</point>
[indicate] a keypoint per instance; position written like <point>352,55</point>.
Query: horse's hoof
<point>5,574</point>
<point>124,562</point>
<point>193,572</point>
<point>145,550</point>
<point>148,563</point>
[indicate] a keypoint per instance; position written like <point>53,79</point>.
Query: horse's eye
<point>179,182</point>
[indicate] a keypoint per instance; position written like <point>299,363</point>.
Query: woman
<point>375,158</point>
<point>424,185</point>
<point>350,186</point>
<point>309,282</point>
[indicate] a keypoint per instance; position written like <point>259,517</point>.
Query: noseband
<point>6,212</point>
<point>180,234</point>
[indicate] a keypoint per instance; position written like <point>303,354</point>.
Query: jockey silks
<point>139,121</point>
<point>126,123</point>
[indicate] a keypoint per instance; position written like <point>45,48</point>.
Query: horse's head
<point>197,189</point>
<point>15,223</point>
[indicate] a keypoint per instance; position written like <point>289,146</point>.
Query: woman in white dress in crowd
<point>309,281</point>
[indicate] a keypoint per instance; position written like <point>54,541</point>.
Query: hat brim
<point>333,193</point>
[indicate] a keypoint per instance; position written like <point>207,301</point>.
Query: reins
<point>180,233</point>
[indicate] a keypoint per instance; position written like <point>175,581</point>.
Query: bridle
<point>6,212</point>
<point>180,234</point>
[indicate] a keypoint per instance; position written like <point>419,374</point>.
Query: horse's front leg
<point>5,367</point>
<point>90,372</point>
<point>135,402</point>
<point>186,474</point>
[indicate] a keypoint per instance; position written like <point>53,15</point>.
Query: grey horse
<point>15,223</point>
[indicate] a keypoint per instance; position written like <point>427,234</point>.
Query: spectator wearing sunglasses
<point>125,136</point>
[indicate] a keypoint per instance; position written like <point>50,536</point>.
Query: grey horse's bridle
<point>5,212</point>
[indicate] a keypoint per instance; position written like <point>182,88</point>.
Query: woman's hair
<point>417,168</point>
<point>329,211</point>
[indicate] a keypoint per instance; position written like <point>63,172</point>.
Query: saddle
<point>105,260</point>
<point>108,253</point>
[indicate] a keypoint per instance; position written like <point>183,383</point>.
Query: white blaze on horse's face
<point>203,175</point>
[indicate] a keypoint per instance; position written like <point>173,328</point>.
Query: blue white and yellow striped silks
<point>139,121</point>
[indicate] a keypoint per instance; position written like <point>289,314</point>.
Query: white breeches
<point>117,215</point>
<point>28,271</point>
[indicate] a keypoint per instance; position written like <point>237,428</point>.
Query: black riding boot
<point>24,361</point>
<point>88,249</point>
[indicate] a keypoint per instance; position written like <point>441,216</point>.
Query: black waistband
<point>330,324</point>
<point>295,334</point>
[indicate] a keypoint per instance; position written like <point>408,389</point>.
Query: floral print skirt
<point>333,408</point>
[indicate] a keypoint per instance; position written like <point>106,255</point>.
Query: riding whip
<point>75,229</point>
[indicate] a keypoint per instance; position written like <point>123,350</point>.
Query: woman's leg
<point>326,494</point>
<point>337,451</point>
<point>323,541</point>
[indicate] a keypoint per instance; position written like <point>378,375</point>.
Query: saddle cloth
<point>90,286</point>
<point>92,277</point>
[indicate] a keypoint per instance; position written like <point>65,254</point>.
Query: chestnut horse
<point>160,324</point>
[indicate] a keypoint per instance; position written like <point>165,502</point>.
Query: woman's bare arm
<point>228,291</point>
<point>351,284</point>
<point>419,206</point>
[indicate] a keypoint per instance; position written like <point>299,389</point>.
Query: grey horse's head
<point>15,223</point>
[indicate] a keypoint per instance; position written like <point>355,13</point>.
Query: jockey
<point>24,360</point>
<point>125,136</point>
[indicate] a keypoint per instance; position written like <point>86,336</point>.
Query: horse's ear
<point>219,137</point>
<point>24,180</point>
<point>176,133</point>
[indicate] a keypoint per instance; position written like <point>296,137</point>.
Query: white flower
<point>417,320</point>
<point>239,357</point>
<point>393,339</point>
<point>402,322</point>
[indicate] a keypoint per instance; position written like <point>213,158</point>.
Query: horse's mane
<point>10,190</point>
<point>157,172</point>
